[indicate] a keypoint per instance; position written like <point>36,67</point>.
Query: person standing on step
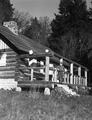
<point>61,71</point>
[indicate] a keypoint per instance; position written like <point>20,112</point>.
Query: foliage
<point>22,19</point>
<point>33,31</point>
<point>6,10</point>
<point>45,29</point>
<point>70,29</point>
<point>36,29</point>
<point>39,30</point>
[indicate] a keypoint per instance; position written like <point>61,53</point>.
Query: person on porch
<point>61,71</point>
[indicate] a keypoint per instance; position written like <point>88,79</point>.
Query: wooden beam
<point>32,71</point>
<point>68,75</point>
<point>47,68</point>
<point>35,55</point>
<point>55,75</point>
<point>85,77</point>
<point>42,84</point>
<point>71,72</point>
<point>79,74</point>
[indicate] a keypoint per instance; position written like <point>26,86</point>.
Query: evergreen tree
<point>45,30</point>
<point>6,10</point>
<point>38,30</point>
<point>70,29</point>
<point>33,30</point>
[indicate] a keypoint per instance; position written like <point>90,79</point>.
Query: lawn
<point>37,106</point>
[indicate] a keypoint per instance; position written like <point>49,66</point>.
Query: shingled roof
<point>21,42</point>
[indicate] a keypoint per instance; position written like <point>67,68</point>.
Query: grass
<point>36,106</point>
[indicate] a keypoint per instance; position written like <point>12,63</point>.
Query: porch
<point>45,75</point>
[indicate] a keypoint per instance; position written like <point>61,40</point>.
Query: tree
<point>70,29</point>
<point>33,30</point>
<point>45,30</point>
<point>22,19</point>
<point>36,29</point>
<point>6,10</point>
<point>39,30</point>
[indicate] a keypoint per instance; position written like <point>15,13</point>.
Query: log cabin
<point>17,69</point>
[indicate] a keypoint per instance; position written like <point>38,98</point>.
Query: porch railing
<point>38,73</point>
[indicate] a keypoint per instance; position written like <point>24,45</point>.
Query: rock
<point>47,91</point>
<point>18,89</point>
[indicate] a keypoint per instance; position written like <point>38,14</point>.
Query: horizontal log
<point>7,77</point>
<point>11,64</point>
<point>34,55</point>
<point>4,68</point>
<point>36,67</point>
<point>42,83</point>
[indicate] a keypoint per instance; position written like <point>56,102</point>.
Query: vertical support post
<point>68,75</point>
<point>55,75</point>
<point>62,70</point>
<point>74,79</point>
<point>32,71</point>
<point>71,72</point>
<point>65,76</point>
<point>42,65</point>
<point>79,75</point>
<point>47,68</point>
<point>85,77</point>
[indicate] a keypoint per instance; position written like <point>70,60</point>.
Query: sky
<point>38,8</point>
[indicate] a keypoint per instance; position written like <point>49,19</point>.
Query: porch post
<point>47,67</point>
<point>47,90</point>
<point>79,75</point>
<point>85,77</point>
<point>32,71</point>
<point>71,72</point>
<point>55,75</point>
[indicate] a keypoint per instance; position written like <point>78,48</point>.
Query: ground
<point>37,106</point>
